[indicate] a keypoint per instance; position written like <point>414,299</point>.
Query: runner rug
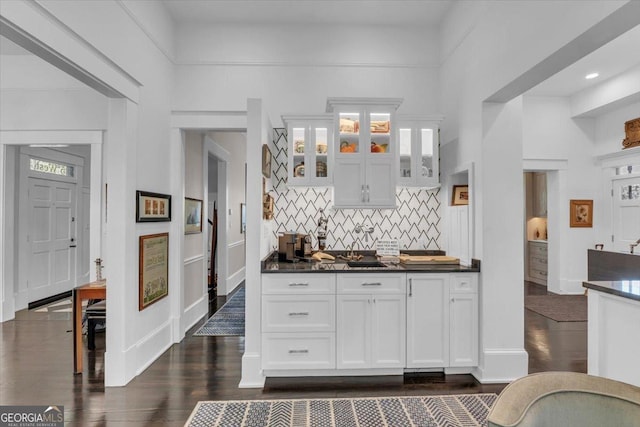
<point>561,308</point>
<point>229,320</point>
<point>424,411</point>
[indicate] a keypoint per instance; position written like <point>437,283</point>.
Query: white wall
<point>551,134</point>
<point>106,40</point>
<point>195,285</point>
<point>486,47</point>
<point>295,69</point>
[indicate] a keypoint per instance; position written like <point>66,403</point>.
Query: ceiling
<point>353,12</point>
<point>617,56</point>
<point>610,60</point>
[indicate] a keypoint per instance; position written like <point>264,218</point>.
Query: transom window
<point>627,170</point>
<point>45,166</point>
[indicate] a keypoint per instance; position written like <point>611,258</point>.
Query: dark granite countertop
<point>271,265</point>
<point>623,288</point>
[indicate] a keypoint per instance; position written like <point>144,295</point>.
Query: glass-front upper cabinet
<point>418,152</point>
<point>365,152</point>
<point>309,161</point>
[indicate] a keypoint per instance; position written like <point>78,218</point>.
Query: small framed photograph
<point>581,213</point>
<point>152,207</point>
<point>153,269</point>
<point>192,216</point>
<point>460,195</point>
<point>266,161</point>
<point>243,217</point>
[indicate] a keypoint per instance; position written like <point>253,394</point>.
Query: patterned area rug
<point>228,321</point>
<point>561,308</point>
<point>424,411</point>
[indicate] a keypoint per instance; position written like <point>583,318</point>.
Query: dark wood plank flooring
<point>36,369</point>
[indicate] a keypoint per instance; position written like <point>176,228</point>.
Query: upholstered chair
<point>554,399</point>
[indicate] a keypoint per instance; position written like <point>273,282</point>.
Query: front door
<point>626,213</point>
<point>50,267</point>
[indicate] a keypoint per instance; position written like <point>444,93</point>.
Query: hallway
<point>36,363</point>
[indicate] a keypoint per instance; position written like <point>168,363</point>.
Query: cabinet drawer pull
<point>410,287</point>
<point>300,313</point>
<point>301,351</point>
<point>372,284</point>
<point>299,284</point>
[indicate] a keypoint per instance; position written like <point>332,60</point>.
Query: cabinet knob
<point>453,300</point>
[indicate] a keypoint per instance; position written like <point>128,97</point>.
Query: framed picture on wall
<point>153,269</point>
<point>152,207</point>
<point>581,213</point>
<point>266,161</point>
<point>192,216</point>
<point>460,195</point>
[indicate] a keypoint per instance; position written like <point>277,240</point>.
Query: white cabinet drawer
<point>371,283</point>
<point>299,284</point>
<point>298,313</point>
<point>538,249</point>
<point>299,351</point>
<point>538,274</point>
<point>466,283</point>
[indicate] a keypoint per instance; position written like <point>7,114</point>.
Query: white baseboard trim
<point>153,346</point>
<point>332,372</point>
<point>133,361</point>
<point>194,313</point>
<point>502,366</point>
<point>252,376</point>
<point>235,279</point>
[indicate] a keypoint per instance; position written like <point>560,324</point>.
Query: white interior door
<point>51,238</point>
<point>626,213</point>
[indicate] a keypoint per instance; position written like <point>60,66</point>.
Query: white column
<point>251,360</point>
<point>502,353</point>
<point>121,246</point>
<point>176,238</point>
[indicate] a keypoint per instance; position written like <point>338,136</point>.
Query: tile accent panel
<point>415,223</point>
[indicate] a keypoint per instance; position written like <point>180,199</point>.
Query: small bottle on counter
<point>321,231</point>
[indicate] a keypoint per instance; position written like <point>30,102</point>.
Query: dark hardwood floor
<point>36,369</point>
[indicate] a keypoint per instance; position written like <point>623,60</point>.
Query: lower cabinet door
<point>464,330</point>
<point>427,320</point>
<point>388,336</point>
<point>353,331</point>
<point>299,350</point>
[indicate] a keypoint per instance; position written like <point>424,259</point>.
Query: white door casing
<point>626,213</point>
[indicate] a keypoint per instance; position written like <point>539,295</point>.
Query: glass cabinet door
<point>380,133</point>
<point>298,149</point>
<point>349,128</point>
<point>418,154</point>
<point>426,150</point>
<point>406,163</point>
<point>321,149</point>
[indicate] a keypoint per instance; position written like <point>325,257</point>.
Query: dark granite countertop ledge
<point>623,288</point>
<point>271,265</point>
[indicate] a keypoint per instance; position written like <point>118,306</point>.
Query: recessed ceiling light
<point>591,76</point>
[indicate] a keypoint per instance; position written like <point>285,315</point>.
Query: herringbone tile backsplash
<point>415,223</point>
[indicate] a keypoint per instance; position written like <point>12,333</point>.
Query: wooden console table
<point>93,290</point>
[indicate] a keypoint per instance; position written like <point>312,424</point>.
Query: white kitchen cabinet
<point>371,321</point>
<point>310,150</point>
<point>442,320</point>
<point>365,152</point>
<point>427,320</point>
<point>463,320</point>
<point>418,151</point>
<point>298,321</point>
<point>537,260</point>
